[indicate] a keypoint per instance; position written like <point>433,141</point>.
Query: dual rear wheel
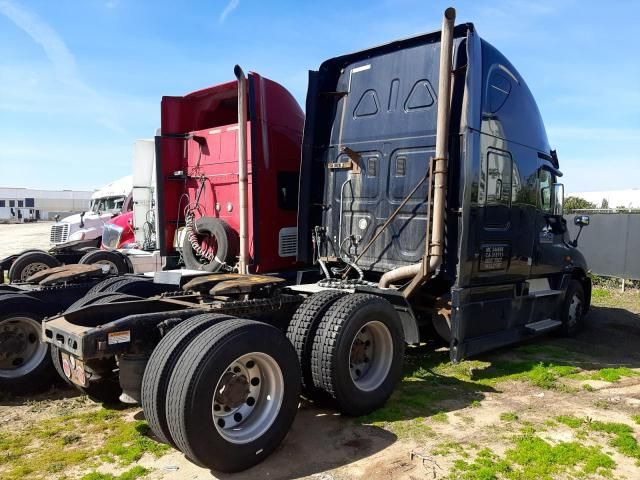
<point>351,349</point>
<point>234,387</point>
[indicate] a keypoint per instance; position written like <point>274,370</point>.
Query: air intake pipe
<point>434,244</point>
<point>243,260</point>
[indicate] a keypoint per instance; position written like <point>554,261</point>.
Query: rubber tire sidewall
<point>40,378</point>
<point>207,446</point>
<point>115,258</point>
<point>162,361</point>
<point>26,259</point>
<point>304,345</point>
<point>571,330</point>
<point>225,239</point>
<point>351,400</point>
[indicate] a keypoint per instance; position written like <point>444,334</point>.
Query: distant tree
<point>605,203</point>
<point>577,203</point>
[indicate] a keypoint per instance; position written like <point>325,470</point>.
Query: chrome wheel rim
<point>575,310</point>
<point>21,350</point>
<point>32,269</point>
<point>248,397</point>
<point>371,356</point>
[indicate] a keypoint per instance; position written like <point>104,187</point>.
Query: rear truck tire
<point>161,365</point>
<point>227,245</point>
<point>133,286</point>
<point>25,363</point>
<point>100,298</point>
<point>233,395</point>
<point>115,261</point>
<point>104,390</point>
<point>102,284</point>
<point>107,282</point>
<point>29,263</point>
<point>573,309</point>
<point>302,330</point>
<point>358,352</point>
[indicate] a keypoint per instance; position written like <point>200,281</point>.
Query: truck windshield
<point>107,205</point>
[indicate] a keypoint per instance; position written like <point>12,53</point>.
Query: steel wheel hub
<point>575,310</point>
<point>371,356</point>
<point>32,269</point>
<point>112,266</point>
<point>248,397</point>
<point>20,348</point>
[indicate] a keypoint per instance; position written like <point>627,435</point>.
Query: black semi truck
<point>429,196</point>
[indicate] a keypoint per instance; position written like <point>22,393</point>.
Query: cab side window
<point>546,182</point>
<point>495,179</point>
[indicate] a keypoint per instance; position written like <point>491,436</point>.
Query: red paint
<point>274,140</point>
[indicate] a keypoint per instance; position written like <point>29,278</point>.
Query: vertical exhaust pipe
<point>243,261</point>
<point>434,243</point>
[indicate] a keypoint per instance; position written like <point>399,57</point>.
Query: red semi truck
<point>200,204</point>
<point>198,165</point>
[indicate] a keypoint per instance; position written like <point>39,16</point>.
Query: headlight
<point>111,235</point>
<point>77,236</point>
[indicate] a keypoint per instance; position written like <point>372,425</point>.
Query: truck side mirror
<point>558,199</point>
<point>581,221</point>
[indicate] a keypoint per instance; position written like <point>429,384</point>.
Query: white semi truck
<point>108,201</point>
<point>74,236</point>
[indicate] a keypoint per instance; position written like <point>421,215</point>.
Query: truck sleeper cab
<point>507,264</point>
<point>197,159</point>
<point>416,210</point>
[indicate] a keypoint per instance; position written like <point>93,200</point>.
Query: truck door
<point>494,225</point>
<point>550,249</point>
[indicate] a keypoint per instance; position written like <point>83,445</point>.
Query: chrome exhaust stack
<point>243,261</point>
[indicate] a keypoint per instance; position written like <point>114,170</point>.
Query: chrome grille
<point>288,242</point>
<point>59,233</point>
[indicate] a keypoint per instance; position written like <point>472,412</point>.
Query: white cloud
<point>231,6</point>
<point>62,61</point>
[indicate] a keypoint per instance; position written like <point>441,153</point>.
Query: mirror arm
<point>574,243</point>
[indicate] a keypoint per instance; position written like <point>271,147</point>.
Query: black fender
<point>402,307</point>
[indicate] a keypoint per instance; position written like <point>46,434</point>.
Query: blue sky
<point>81,80</point>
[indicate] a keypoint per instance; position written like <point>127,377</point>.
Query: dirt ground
<point>444,420</point>
<point>17,237</point>
<point>551,408</point>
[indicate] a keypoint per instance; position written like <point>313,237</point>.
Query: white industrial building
<point>629,198</point>
<point>24,204</point>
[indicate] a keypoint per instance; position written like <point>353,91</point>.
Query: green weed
<point>132,474</point>
<point>75,439</point>
<point>440,417</point>
<point>508,417</point>
<point>570,421</point>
